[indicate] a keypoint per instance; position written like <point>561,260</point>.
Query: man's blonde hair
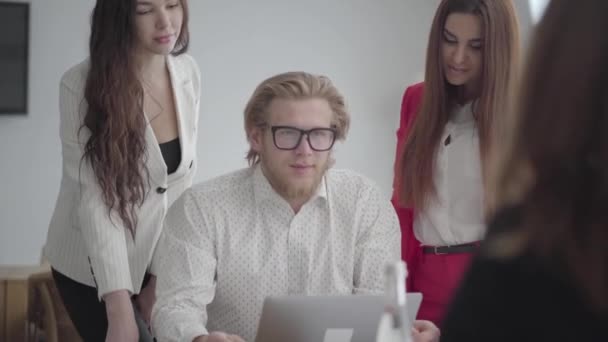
<point>294,86</point>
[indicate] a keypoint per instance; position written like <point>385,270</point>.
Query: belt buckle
<point>436,250</point>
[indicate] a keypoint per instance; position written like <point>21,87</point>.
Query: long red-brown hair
<point>116,148</point>
<point>500,56</point>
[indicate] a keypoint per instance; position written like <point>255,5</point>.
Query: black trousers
<point>86,311</point>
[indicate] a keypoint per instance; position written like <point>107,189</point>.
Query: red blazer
<point>410,246</point>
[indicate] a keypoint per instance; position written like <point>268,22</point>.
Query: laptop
<point>349,318</point>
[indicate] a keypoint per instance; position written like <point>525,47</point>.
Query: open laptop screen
<point>325,318</point>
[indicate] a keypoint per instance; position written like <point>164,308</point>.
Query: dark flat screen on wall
<point>14,43</point>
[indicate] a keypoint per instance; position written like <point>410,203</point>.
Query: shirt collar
<point>462,113</point>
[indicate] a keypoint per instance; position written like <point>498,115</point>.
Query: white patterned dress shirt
<point>232,241</point>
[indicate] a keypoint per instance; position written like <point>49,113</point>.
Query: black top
<point>520,299</point>
<point>172,154</point>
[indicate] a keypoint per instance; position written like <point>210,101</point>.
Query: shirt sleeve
<point>378,242</point>
<point>186,260</point>
<point>103,233</point>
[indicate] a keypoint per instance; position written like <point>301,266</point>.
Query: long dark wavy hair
<point>116,148</point>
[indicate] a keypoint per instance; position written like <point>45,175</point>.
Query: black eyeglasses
<point>289,138</point>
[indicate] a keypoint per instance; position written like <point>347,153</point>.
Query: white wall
<point>30,160</point>
<point>371,49</point>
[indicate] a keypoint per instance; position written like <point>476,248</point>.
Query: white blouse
<point>455,215</point>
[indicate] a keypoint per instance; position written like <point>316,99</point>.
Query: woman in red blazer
<point>447,125</point>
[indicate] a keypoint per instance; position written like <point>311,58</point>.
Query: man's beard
<point>288,190</point>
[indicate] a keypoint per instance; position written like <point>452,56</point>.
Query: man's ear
<point>256,137</point>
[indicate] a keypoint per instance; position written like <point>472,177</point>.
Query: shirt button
<point>161,190</point>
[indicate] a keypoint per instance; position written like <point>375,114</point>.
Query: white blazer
<point>83,242</point>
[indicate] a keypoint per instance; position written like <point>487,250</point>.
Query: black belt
<point>453,249</point>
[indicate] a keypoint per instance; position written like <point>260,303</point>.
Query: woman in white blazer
<point>128,130</point>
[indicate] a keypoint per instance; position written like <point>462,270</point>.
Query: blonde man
<point>286,225</point>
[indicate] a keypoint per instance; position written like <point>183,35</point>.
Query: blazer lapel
<point>183,98</point>
<point>156,164</point>
<point>182,94</point>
